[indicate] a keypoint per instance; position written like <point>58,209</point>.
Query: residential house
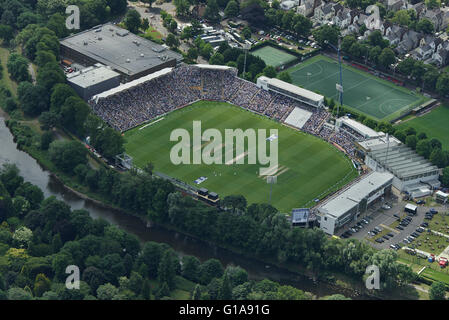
<point>436,17</point>
<point>324,13</point>
<point>394,34</point>
<point>289,4</point>
<point>343,18</point>
<point>410,40</point>
<point>396,5</point>
<point>440,57</point>
<point>307,6</point>
<point>420,8</point>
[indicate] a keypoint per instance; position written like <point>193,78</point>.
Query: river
<point>184,245</point>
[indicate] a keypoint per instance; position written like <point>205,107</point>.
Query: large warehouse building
<point>346,205</point>
<point>411,171</point>
<point>128,54</point>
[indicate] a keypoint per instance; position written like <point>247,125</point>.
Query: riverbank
<point>338,283</point>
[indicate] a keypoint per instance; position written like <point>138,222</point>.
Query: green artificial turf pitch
<point>273,56</point>
<point>434,124</point>
<point>363,92</point>
<point>310,168</point>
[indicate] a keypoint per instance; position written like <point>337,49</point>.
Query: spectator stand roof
<point>401,160</point>
<point>131,84</point>
<point>363,130</point>
<point>294,89</point>
<point>341,203</point>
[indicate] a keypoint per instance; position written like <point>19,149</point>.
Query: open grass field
<point>363,92</point>
<point>434,124</point>
<point>309,168</point>
<point>273,56</point>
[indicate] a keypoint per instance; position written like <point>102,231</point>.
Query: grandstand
<point>305,96</point>
<point>166,90</point>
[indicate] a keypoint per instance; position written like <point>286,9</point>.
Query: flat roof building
<point>300,94</point>
<point>128,54</point>
<point>347,204</point>
<point>93,80</point>
<point>411,171</point>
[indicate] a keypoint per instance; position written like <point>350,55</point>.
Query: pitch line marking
<point>149,124</point>
<point>242,155</point>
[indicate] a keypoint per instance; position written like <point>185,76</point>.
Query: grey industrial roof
<point>349,198</point>
<point>91,76</point>
<point>401,160</point>
<point>120,49</point>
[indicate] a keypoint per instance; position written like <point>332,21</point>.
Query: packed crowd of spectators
<point>186,84</point>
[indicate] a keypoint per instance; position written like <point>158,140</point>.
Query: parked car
<point>420,202</point>
<point>391,234</point>
<point>424,224</point>
<point>399,227</point>
<point>386,237</point>
<point>379,240</point>
<point>396,215</point>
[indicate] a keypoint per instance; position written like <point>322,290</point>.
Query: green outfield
<point>273,56</point>
<point>363,92</point>
<point>434,124</point>
<point>309,168</point>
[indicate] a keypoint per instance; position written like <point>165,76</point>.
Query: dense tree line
<point>40,237</point>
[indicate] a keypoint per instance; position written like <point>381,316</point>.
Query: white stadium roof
<point>365,131</point>
<point>131,84</point>
<point>345,201</point>
<point>292,88</point>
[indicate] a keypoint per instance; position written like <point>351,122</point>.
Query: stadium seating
<point>187,84</point>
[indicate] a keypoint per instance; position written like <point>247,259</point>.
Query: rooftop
<point>91,75</point>
<point>131,84</point>
<point>401,160</point>
<point>120,49</point>
<point>365,131</point>
<point>349,198</point>
<point>292,88</point>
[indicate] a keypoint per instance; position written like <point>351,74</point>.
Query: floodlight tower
<point>339,86</point>
<point>246,47</point>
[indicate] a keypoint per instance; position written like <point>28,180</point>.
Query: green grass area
<point>363,92</point>
<point>434,124</point>
<point>309,167</point>
<point>273,56</point>
<point>152,34</point>
<point>5,79</point>
<point>436,275</point>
